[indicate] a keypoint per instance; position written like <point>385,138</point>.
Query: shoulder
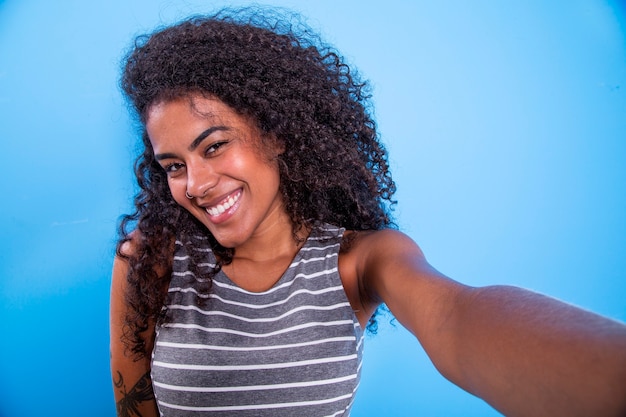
<point>368,260</point>
<point>128,285</point>
<point>126,249</point>
<point>127,246</point>
<point>131,252</point>
<point>373,249</point>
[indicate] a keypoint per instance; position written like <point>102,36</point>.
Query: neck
<point>274,241</point>
<point>260,263</point>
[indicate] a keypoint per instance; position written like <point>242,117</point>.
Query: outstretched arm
<point>132,386</point>
<point>524,353</point>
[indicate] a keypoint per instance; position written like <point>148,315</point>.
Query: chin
<point>226,240</point>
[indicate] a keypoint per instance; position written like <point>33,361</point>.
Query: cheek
<point>177,189</point>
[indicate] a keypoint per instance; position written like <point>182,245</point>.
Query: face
<point>214,155</point>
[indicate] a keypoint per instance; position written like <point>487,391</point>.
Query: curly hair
<point>271,67</point>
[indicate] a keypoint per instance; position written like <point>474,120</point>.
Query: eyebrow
<point>196,142</point>
<point>202,136</point>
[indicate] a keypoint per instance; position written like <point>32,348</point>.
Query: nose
<point>201,177</point>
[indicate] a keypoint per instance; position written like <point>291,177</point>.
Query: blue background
<point>505,123</point>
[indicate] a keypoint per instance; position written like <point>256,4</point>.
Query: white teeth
<point>221,208</point>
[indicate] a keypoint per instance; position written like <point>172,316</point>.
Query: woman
<point>262,246</point>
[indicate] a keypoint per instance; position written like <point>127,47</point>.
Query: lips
<point>223,206</point>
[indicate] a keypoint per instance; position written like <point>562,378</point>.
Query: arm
<point>523,353</point>
<point>132,385</point>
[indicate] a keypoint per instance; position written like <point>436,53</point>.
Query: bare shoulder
<point>367,239</point>
<point>367,260</point>
<point>120,267</point>
<point>119,286</point>
<point>129,247</point>
<point>373,250</point>
<point>390,268</point>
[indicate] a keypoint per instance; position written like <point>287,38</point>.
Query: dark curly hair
<point>267,65</point>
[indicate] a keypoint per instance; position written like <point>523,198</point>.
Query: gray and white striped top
<point>293,350</point>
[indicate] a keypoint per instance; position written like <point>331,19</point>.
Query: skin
<point>524,353</point>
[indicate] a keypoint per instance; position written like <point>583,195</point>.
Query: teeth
<point>221,208</point>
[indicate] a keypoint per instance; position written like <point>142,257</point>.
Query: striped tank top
<point>293,350</point>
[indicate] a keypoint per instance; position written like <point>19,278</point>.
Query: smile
<point>224,205</point>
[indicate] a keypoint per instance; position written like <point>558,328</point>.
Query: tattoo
<point>128,405</point>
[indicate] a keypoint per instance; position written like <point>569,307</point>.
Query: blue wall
<point>505,124</point>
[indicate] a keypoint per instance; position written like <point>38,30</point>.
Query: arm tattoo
<point>128,405</point>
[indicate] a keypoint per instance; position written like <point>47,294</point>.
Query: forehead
<point>181,120</point>
<point>189,115</point>
<point>194,106</point>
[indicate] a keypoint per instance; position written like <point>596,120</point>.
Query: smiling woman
<point>263,246</point>
<point>241,184</point>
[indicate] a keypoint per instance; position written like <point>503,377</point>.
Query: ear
<point>276,146</point>
<point>280,146</point>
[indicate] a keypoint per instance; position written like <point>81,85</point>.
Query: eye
<point>214,147</point>
<point>173,168</point>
